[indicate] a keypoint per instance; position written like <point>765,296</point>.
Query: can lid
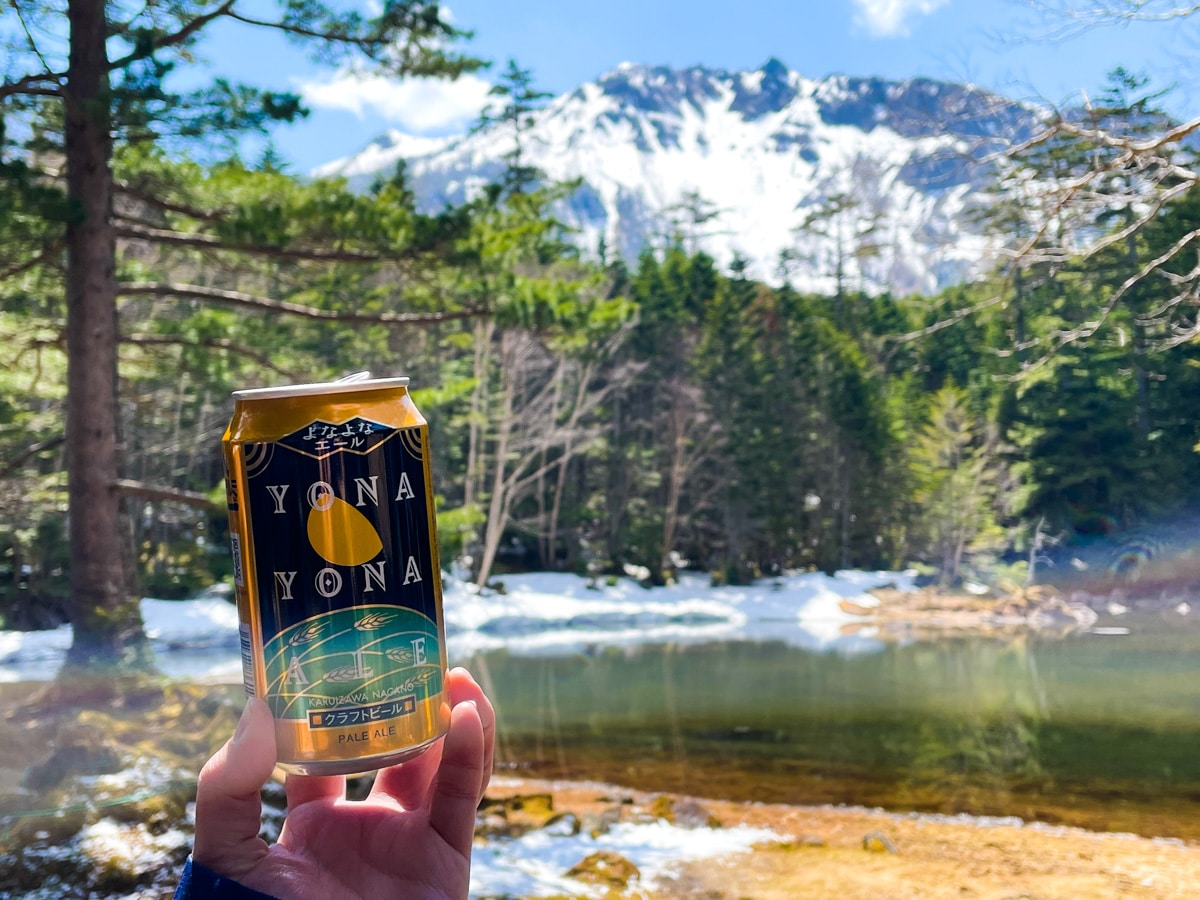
<point>359,381</point>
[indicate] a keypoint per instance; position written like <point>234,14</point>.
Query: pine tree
<point>112,88</point>
<point>514,111</point>
<point>958,469</point>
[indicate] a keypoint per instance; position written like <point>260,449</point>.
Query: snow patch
<point>535,864</point>
<point>537,614</point>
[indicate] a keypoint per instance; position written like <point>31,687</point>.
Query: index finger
<point>464,688</point>
<point>409,782</point>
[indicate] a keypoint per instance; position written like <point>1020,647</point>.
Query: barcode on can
<point>247,660</point>
<point>235,544</point>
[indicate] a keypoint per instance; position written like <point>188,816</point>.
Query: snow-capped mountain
<point>874,179</point>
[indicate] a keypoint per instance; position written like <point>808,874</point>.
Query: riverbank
<point>94,802</point>
<point>850,853</point>
<point>927,613</point>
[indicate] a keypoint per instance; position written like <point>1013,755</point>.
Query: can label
<point>348,592</point>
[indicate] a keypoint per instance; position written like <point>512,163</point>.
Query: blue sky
<point>999,44</point>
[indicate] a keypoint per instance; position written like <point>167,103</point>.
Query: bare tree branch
<point>369,42</point>
<point>166,340</point>
<point>1117,173</point>
<point>203,215</point>
<point>28,453</point>
<point>1087,329</point>
<point>1139,222</point>
<point>1069,19</point>
<point>265,304</point>
<point>29,34</point>
<point>956,316</point>
<point>209,242</point>
<point>45,84</point>
<point>32,263</point>
<point>1171,136</point>
<point>171,495</point>
<point>175,39</point>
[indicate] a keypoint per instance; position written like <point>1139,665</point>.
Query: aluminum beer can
<point>331,525</point>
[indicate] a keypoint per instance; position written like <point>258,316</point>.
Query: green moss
<point>50,829</point>
<point>605,868</point>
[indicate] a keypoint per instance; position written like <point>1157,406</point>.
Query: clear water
<point>1096,730</point>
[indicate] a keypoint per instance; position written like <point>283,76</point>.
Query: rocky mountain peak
<point>768,148</point>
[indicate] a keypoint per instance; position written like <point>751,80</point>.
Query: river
<point>1099,730</point>
<point>774,693</point>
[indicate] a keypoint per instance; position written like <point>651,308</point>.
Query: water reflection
<point>1095,730</point>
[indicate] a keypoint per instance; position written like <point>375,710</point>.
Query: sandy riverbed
<point>855,853</point>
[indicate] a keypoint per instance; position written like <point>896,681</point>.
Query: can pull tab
<point>357,376</point>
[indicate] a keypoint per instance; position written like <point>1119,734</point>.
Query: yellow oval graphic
<point>341,534</point>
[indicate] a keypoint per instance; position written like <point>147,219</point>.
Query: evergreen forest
<point>592,414</point>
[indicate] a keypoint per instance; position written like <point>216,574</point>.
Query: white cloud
<point>889,18</point>
<point>415,105</point>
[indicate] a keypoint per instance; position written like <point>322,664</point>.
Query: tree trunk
<point>106,619</point>
<point>560,484</point>
<point>498,505</point>
<point>484,332</point>
<point>617,470</point>
<point>845,476</point>
<point>545,544</point>
<point>839,295</point>
<point>676,473</point>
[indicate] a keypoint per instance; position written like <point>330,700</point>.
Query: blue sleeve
<point>201,883</point>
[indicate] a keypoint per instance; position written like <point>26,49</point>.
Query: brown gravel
<point>854,853</point>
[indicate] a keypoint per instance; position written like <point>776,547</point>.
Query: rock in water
<point>605,868</point>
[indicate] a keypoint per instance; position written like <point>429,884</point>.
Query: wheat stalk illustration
<point>342,674</point>
<point>373,621</point>
<point>311,633</point>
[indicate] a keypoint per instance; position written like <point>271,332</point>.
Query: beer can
<point>336,571</point>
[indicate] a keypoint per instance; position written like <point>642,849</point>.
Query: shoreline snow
<point>538,613</point>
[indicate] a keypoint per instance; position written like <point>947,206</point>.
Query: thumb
<point>228,803</point>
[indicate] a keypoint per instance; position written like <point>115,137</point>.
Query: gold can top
<point>359,381</point>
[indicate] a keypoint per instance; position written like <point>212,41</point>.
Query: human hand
<point>411,838</point>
